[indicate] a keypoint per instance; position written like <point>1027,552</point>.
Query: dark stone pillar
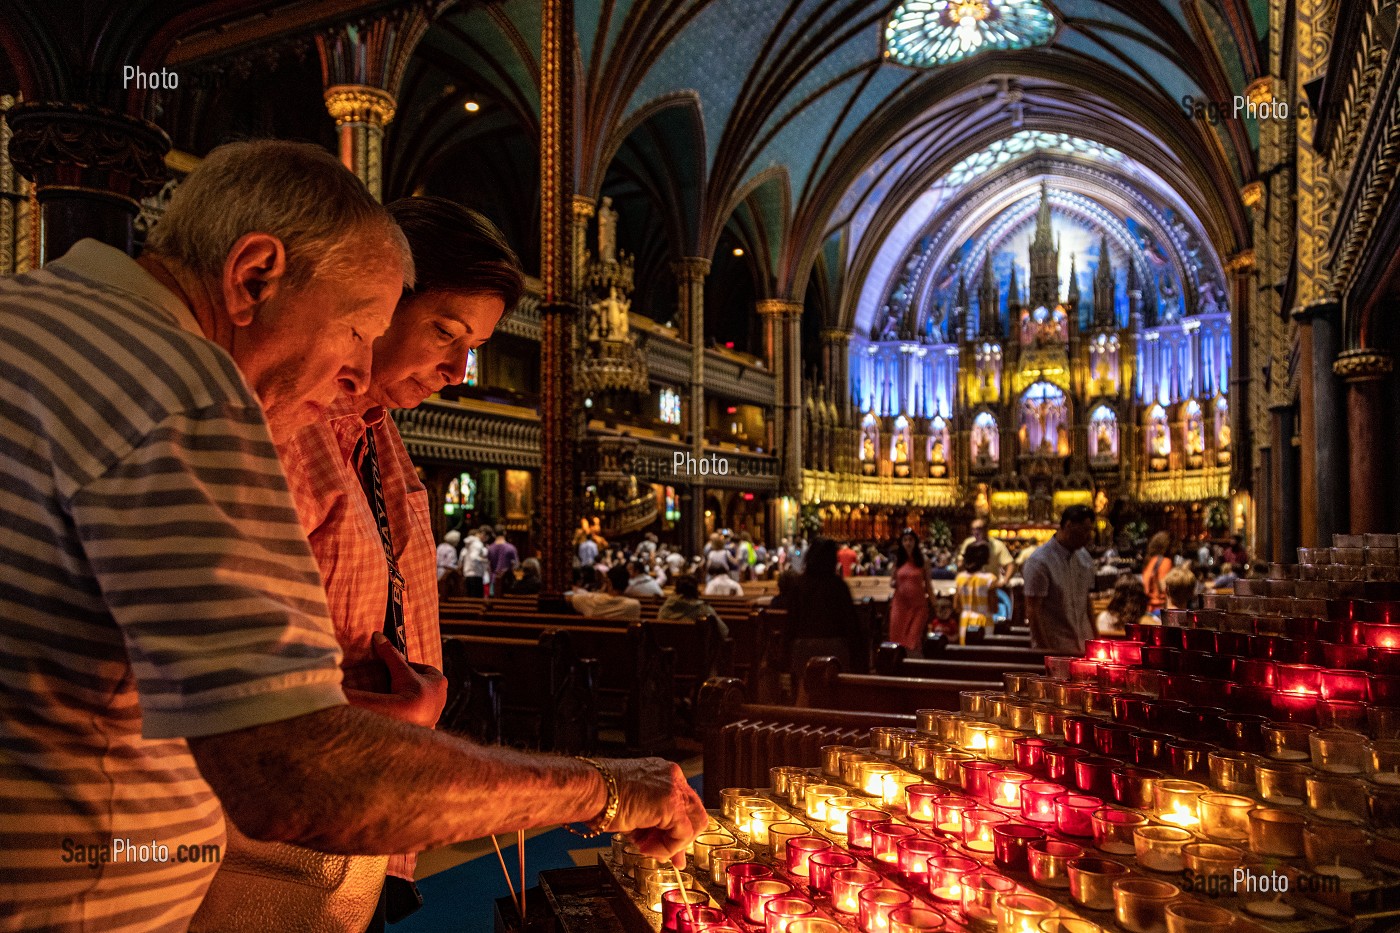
<point>1327,444</point>
<point>90,166</point>
<point>1366,373</point>
<point>1285,494</point>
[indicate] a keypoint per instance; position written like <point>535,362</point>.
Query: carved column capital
<point>92,150</point>
<point>690,268</point>
<point>778,307</point>
<point>1252,193</point>
<point>359,103</point>
<point>1243,261</point>
<point>1364,365</point>
<point>584,208</point>
<point>835,336</point>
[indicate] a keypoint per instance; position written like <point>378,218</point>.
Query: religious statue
<point>938,460</point>
<point>867,450</point>
<point>1160,443</point>
<point>1222,437</point>
<point>1195,443</point>
<point>1103,441</point>
<point>1209,303</point>
<point>984,446</point>
<point>901,449</point>
<point>607,231</point>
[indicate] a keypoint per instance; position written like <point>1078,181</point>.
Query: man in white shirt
<point>447,552</point>
<point>641,583</point>
<point>609,603</point>
<point>1002,561</point>
<point>475,565</point>
<point>722,584</point>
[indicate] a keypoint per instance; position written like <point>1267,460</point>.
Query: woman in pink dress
<point>912,595</point>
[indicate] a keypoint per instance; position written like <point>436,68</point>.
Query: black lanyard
<point>373,487</point>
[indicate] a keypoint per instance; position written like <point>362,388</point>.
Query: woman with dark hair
<point>974,590</point>
<point>822,616</point>
<point>1127,604</point>
<point>911,594</point>
<point>350,476</point>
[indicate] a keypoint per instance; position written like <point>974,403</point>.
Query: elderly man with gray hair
<point>167,643</point>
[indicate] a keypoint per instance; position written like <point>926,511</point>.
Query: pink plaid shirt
<point>340,525</point>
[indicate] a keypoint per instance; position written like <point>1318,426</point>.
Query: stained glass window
<point>1023,143</point>
<point>461,495</point>
<point>670,404</point>
<point>473,376</point>
<point>929,33</point>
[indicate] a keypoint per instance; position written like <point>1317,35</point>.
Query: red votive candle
<point>846,885</point>
<point>915,854</point>
<point>1294,707</point>
<point>1059,763</point>
<point>742,873</point>
<point>1203,722</point>
<point>858,826</point>
<point>1232,643</point>
<point>800,850</point>
<point>1158,658</point>
<point>1111,738</point>
<point>1167,636</point>
<point>1113,676</point>
<point>920,799</point>
<point>700,919</point>
<point>1038,801</point>
<point>1099,649</point>
<point>885,839</point>
<point>1256,671</point>
<point>1343,685</point>
<point>1299,679</point>
<point>1198,639</point>
<point>876,905</point>
<point>1248,698</point>
<point>1094,775</point>
<point>1030,754</point>
<point>1126,653</point>
<point>978,826</point>
<point>1006,787</point>
<point>1383,660</point>
<point>758,893</point>
<point>1132,786</point>
<point>821,865</point>
<point>1149,748</point>
<point>1381,635</point>
<point>1079,730</point>
<point>1188,759</point>
<point>1130,709</point>
<point>781,912</point>
<point>1242,732</point>
<point>1085,670</point>
<point>1340,657</point>
<point>1074,814</point>
<point>1161,713</point>
<point>975,777</point>
<point>678,902</point>
<point>946,875</point>
<point>1384,689</point>
<point>1010,842</point>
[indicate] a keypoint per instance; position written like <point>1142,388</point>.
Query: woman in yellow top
<point>974,594</point>
<point>1155,570</point>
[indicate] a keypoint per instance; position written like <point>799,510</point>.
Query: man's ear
<point>254,271</point>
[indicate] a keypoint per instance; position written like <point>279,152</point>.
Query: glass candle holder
<point>1017,683</point>
<point>729,798</point>
<point>1091,881</point>
<point>883,739</point>
<point>779,913</point>
<point>915,920</point>
<point>1150,749</point>
<point>831,758</point>
<point>1069,925</point>
<point>926,720</point>
<point>975,777</point>
<point>1338,850</point>
<point>822,865</point>
<point>919,801</point>
<point>872,777</point>
<point>1132,786</point>
<point>1343,685</point>
<point>1176,802</point>
<point>876,905</point>
<point>838,810</point>
<point>977,826</point>
<point>1001,744</point>
<point>846,885</point>
<point>948,812</point>
<point>1059,763</point>
<point>1078,731</point>
<point>885,840</point>
<point>1212,862</point>
<point>1114,828</point>
<point>945,765</point>
<point>779,834</point>
<point>817,796</point>
<point>1038,801</point>
<point>1029,754</point>
<point>1160,847</point>
<point>680,901</point>
<point>1195,917</point>
<point>778,778</point>
<point>1341,714</point>
<point>1225,817</point>
<point>705,843</point>
<point>894,786</point>
<point>1338,751</point>
<point>800,849</point>
<point>721,860</point>
<point>757,895</point>
<point>1048,861</point>
<point>972,703</point>
<point>858,826</point>
<point>1020,715</point>
<point>809,925</point>
<point>1140,904</point>
<point>1084,670</point>
<point>1283,783</point>
<point>655,888</point>
<point>1231,771</point>
<point>761,819</point>
<point>1336,798</point>
<point>1276,832</point>
<point>946,874</point>
<point>973,737</point>
<point>852,762</point>
<point>950,723</point>
<point>1288,741</point>
<point>1144,682</point>
<point>1094,775</point>
<point>1111,738</point>
<point>1293,707</point>
<point>1006,787</point>
<point>797,787</point>
<point>1069,697</point>
<point>914,855</point>
<point>1383,761</point>
<point>1074,814</point>
<point>1057,666</point>
<point>1188,759</point>
<point>741,874</point>
<point>980,892</point>
<point>1023,913</point>
<point>702,920</point>
<point>1011,842</point>
<point>1113,676</point>
<point>1047,721</point>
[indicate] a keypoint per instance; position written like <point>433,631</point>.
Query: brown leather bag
<point>265,886</point>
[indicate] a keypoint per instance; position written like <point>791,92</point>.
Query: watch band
<point>599,824</point>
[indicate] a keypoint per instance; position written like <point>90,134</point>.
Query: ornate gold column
<point>18,219</point>
<point>1366,373</point>
<point>1241,276</point>
<point>782,346</point>
<point>558,308</point>
<point>361,113</point>
<point>690,275</point>
<point>362,65</point>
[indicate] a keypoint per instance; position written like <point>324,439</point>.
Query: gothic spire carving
<point>1072,299</point>
<point>1045,257</point>
<point>988,302</point>
<point>1106,286</point>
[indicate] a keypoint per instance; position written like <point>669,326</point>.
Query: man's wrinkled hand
<point>417,692</point>
<point>656,807</point>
